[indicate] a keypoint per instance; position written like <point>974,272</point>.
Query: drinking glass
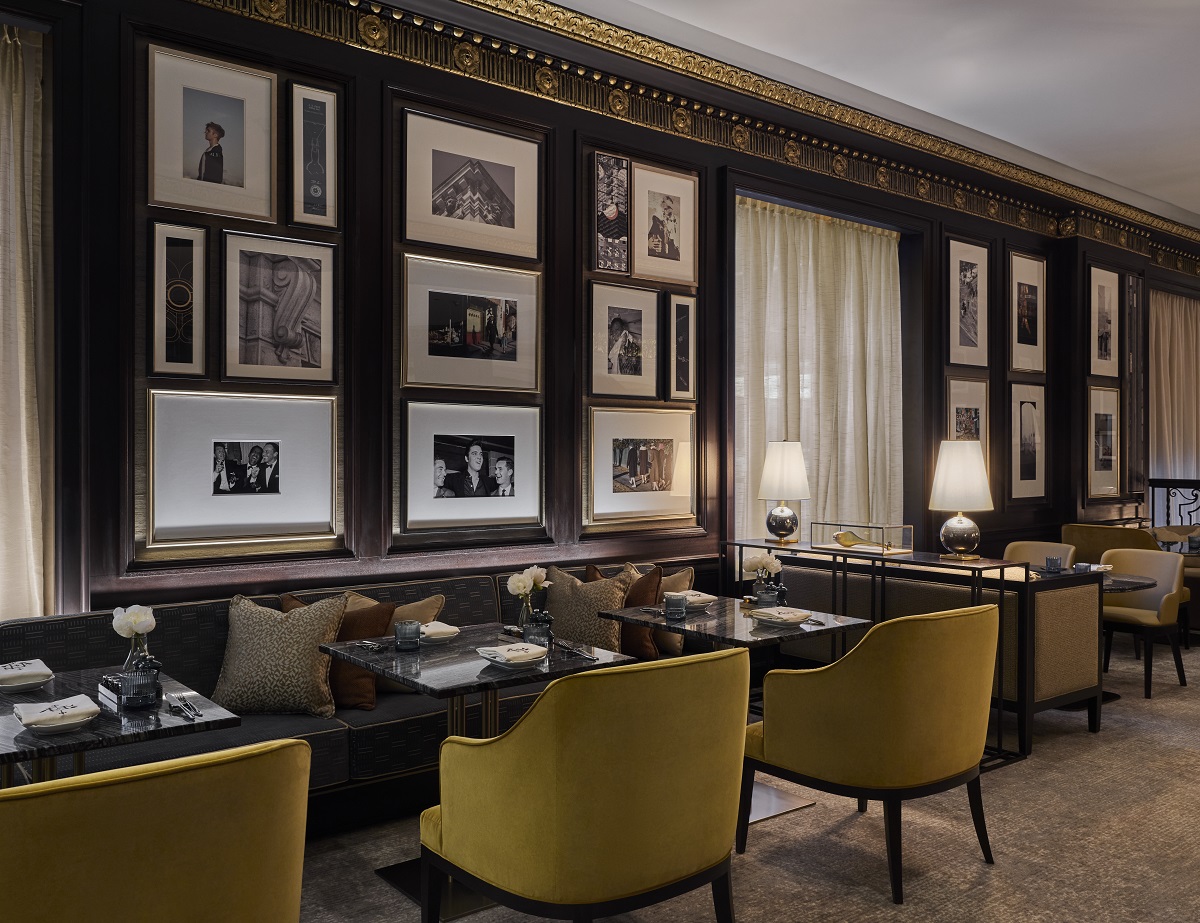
<point>675,605</point>
<point>408,636</point>
<point>1053,564</point>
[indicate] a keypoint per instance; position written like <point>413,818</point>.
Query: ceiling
<point>1093,92</point>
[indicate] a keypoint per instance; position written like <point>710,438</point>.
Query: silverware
<point>576,651</point>
<point>189,705</point>
<point>178,706</point>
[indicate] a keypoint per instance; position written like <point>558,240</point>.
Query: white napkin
<point>49,714</point>
<point>783,614</point>
<point>696,598</point>
<point>514,653</point>
<point>438,630</point>
<point>1101,567</point>
<point>23,671</point>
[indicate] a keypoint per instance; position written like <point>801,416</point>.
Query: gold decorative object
<point>993,208</point>
<point>1067,227</point>
<point>1023,218</point>
<point>883,177</point>
<point>840,164</point>
<point>681,121</point>
<point>547,81</point>
<point>849,539</point>
<point>372,31</point>
<point>271,9</point>
<point>466,58</point>
<point>618,102</point>
<point>791,151</point>
<point>923,188</point>
<point>960,199</point>
<point>741,137</point>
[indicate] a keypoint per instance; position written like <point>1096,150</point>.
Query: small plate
<point>67,728</point>
<point>506,665</point>
<point>442,640</point>
<point>25,687</point>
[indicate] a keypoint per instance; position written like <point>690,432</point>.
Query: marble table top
<point>453,667</point>
<point>728,622</point>
<point>108,729</point>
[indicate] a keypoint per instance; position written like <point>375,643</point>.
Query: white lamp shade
<point>784,476</point>
<point>960,480</point>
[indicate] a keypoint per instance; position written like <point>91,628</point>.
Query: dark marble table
<point>1113,581</point>
<point>110,728</point>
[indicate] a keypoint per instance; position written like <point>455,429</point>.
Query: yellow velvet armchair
<point>903,715</point>
<point>1148,614</point>
<point>1037,552</point>
<point>219,836</point>
<point>616,790</point>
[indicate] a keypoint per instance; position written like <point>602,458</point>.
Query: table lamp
<point>784,477</point>
<point>960,482</point>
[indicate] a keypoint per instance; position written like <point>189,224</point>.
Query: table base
<point>457,899</point>
<point>769,801</point>
<point>1082,706</point>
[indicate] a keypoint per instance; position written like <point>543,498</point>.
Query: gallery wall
<point>353,315</point>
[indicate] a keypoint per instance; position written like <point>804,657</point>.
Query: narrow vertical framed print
<point>681,327</point>
<point>178,300</point>
<point>968,314</point>
<point>1027,313</point>
<point>624,341</point>
<point>612,213</point>
<point>1104,450</point>
<point>967,411</point>
<point>665,224</point>
<point>1103,327</point>
<point>314,156</point>
<point>1028,457</point>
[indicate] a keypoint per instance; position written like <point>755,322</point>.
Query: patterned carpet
<point>1090,828</point>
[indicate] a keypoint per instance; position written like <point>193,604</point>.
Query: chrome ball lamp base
<point>960,536</point>
<point>782,522</point>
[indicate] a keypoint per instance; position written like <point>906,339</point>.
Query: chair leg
<point>1108,633</point>
<point>1137,648</point>
<point>1148,638</point>
<point>891,833</point>
<point>744,799</point>
<point>432,883</point>
<point>1094,708</point>
<point>1185,624</point>
<point>862,805</point>
<point>975,796</point>
<point>722,892</point>
<point>1178,658</point>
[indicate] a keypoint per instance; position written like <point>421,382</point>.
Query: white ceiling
<point>1099,93</point>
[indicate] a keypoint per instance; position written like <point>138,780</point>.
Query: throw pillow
<point>353,687</point>
<point>423,611</point>
<point>636,640</point>
<point>272,660</point>
<point>354,601</point>
<point>574,605</point>
<point>669,643</point>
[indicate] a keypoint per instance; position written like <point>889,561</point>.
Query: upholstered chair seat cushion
<point>1131,616</point>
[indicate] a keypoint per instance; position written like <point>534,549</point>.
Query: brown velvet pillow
<point>668,642</point>
<point>353,687</point>
<point>636,640</point>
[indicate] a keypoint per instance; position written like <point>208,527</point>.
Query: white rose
<point>537,576</point>
<point>520,585</point>
<point>772,563</point>
<point>136,620</point>
<point>752,564</point>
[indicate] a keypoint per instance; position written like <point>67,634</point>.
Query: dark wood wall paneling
<point>103,229</point>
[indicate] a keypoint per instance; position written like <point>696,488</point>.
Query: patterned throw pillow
<point>574,605</point>
<point>669,643</point>
<point>272,660</point>
<point>423,611</point>
<point>636,640</point>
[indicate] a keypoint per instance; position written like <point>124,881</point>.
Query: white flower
<point>772,564</point>
<point>520,584</point>
<point>537,577</point>
<point>136,620</point>
<point>762,564</point>
<point>753,564</point>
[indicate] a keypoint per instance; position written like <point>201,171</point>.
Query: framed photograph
<point>1104,456</point>
<point>212,135</point>
<point>612,213</point>
<point>967,411</point>
<point>1027,313</point>
<point>681,317</point>
<point>471,326</point>
<point>968,304</point>
<point>1028,462</point>
<point>1105,302</point>
<point>471,188</point>
<point>665,224</point>
<point>314,156</point>
<point>231,468</point>
<point>278,308</point>
<point>624,341</point>
<point>177,307</point>
<point>641,465</point>
<point>470,465</point>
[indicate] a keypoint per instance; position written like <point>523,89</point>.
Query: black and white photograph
<point>314,156</point>
<point>681,316</point>
<point>641,464</point>
<point>1027,314</point>
<point>1104,454</point>
<point>967,411</point>
<point>278,308</point>
<point>212,135</point>
<point>470,326</point>
<point>178,300</point>
<point>624,341</point>
<point>968,314</point>
<point>471,187</point>
<point>1027,309</point>
<point>472,465</point>
<point>612,213</point>
<point>1028,462</point>
<point>664,234</point>
<point>1105,305</point>
<point>278,453</point>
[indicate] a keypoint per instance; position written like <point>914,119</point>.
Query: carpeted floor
<point>1092,827</point>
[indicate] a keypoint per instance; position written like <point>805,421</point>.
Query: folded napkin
<point>1101,567</point>
<point>23,671</point>
<point>696,598</point>
<point>514,653</point>
<point>49,714</point>
<point>438,630</point>
<point>783,614</point>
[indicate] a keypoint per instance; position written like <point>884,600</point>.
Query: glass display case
<point>867,538</point>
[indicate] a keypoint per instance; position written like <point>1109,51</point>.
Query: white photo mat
<point>498,153</point>
<point>681,330</point>
<point>651,187</point>
<point>521,425</point>
<point>180,261</point>
<point>968,304</point>
<point>1027,313</point>
<point>1104,323</point>
<point>1027,463</point>
<point>185,87</point>
<point>967,411</point>
<point>182,429</point>
<point>426,276</point>
<point>1104,442</point>
<point>624,337</point>
<point>604,502</point>
<point>267,291</point>
<point>314,156</point>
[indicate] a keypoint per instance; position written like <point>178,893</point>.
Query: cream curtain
<point>817,358</point>
<point>1174,386</point>
<point>26,346</point>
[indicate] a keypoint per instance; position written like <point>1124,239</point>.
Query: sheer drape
<point>1174,386</point>
<point>817,358</point>
<point>26,349</point>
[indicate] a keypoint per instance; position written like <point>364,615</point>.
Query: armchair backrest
<point>1166,567</point>
<point>1037,552</point>
<point>219,836</point>
<point>907,706</point>
<point>1091,541</point>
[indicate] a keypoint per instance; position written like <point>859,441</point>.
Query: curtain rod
<point>8,19</point>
